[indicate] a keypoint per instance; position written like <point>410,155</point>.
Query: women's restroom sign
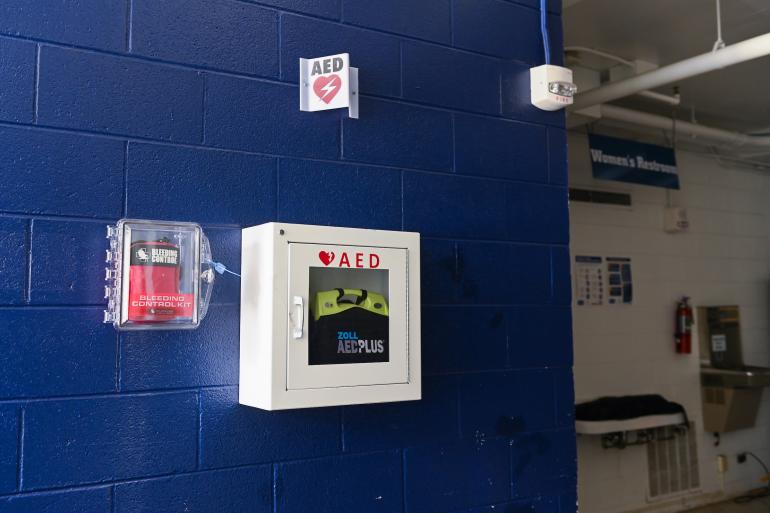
<point>328,83</point>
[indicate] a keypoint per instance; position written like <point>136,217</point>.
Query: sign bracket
<point>353,107</point>
<point>304,85</point>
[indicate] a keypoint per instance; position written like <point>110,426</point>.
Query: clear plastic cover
<point>159,275</point>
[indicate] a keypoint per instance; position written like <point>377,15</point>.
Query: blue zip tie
<point>220,268</point>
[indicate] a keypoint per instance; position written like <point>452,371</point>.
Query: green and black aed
<point>348,326</point>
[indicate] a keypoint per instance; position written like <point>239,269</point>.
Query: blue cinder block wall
<point>188,110</point>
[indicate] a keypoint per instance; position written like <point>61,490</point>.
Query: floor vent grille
<point>672,460</point>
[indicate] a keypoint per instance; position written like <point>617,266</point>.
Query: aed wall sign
<point>328,83</point>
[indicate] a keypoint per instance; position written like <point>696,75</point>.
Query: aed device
<point>348,330</point>
<point>329,316</point>
<point>158,275</point>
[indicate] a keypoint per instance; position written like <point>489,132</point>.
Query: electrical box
<point>329,316</point>
<point>675,220</point>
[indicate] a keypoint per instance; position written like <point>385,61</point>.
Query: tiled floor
<point>755,506</point>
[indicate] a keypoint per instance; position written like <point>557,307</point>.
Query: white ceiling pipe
<point>740,52</point>
<point>650,95</point>
<point>599,53</point>
<point>716,135</point>
<point>663,98</point>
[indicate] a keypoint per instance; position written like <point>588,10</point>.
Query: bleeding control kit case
<point>158,275</point>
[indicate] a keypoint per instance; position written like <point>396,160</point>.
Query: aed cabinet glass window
<point>349,320</point>
<point>348,316</point>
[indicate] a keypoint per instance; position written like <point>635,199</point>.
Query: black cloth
<point>627,407</point>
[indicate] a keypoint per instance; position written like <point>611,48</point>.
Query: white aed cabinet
<point>329,316</point>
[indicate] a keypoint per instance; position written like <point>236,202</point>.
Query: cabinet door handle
<point>298,305</point>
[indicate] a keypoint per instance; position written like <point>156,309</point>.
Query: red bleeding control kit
<point>159,275</point>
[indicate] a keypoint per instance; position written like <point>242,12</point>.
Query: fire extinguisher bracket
<point>158,275</point>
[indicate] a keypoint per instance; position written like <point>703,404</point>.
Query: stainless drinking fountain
<point>731,390</point>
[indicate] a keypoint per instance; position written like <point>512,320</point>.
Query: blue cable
<point>544,31</point>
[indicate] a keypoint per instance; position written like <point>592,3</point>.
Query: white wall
<point>724,259</point>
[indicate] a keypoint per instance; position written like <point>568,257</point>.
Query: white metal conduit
<point>683,127</point>
<point>740,52</point>
<point>663,98</point>
<point>652,95</point>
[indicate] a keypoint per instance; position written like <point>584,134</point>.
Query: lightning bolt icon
<point>328,88</point>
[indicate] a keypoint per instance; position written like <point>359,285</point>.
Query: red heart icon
<point>326,88</point>
<point>326,258</point>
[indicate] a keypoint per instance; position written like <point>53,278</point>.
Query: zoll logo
<point>357,260</point>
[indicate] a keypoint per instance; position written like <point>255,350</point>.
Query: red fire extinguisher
<point>684,323</point>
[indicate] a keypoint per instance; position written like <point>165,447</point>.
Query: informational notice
<point>620,289</point>
<point>603,281</point>
<point>589,280</point>
<point>718,343</point>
